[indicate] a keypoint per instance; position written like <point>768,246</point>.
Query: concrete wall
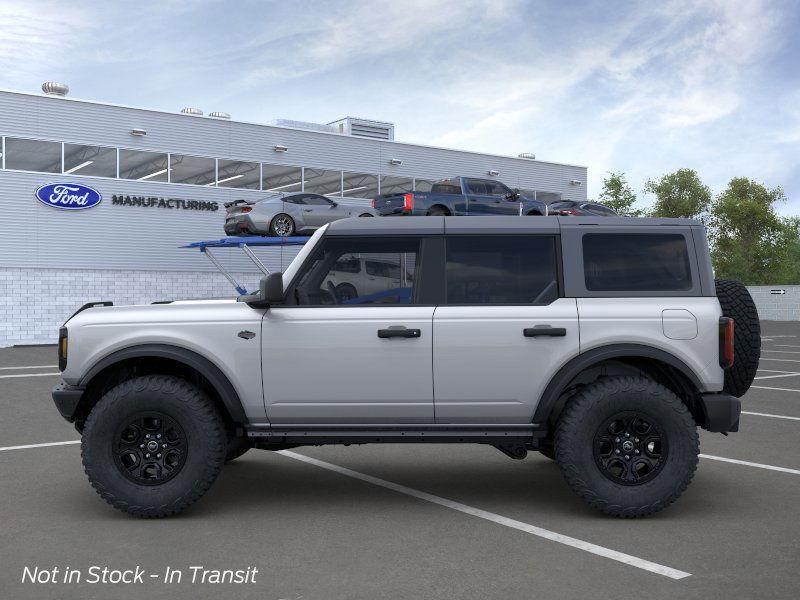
<point>777,307</point>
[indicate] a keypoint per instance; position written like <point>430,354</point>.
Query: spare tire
<point>737,304</point>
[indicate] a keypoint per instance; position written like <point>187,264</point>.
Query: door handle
<point>307,210</point>
<point>399,332</point>
<point>544,330</point>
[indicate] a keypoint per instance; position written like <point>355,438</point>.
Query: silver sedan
<point>287,214</point>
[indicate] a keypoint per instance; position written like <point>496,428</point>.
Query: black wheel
<point>437,211</point>
<point>345,292</point>
<point>282,225</point>
<point>153,445</point>
<point>237,446</point>
<point>737,304</point>
<point>627,445</point>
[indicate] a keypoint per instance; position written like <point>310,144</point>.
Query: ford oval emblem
<point>68,196</point>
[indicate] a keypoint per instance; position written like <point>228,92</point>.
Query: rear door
<point>503,331</point>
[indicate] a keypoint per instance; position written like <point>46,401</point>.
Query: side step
<point>527,434</point>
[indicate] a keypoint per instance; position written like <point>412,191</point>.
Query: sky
<point>639,87</point>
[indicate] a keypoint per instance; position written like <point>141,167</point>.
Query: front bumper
<point>67,399</point>
<point>721,412</point>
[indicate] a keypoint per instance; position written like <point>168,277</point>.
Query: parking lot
<point>411,521</point>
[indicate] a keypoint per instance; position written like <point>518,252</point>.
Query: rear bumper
<point>67,399</point>
<point>721,411</point>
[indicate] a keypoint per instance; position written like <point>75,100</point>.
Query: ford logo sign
<point>68,196</point>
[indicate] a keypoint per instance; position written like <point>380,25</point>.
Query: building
<point>163,178</point>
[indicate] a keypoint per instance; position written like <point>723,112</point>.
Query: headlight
<point>62,348</point>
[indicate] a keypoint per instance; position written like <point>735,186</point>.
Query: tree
<point>617,194</point>
<point>750,241</point>
<point>679,194</point>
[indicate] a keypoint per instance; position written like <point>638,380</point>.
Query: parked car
<point>289,213</point>
<point>484,345</point>
<point>357,278</point>
<point>572,208</point>
<point>460,196</point>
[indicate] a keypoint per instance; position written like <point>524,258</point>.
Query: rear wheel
<point>737,304</point>
<point>437,211</point>
<point>237,446</point>
<point>366,215</point>
<point>282,225</point>
<point>627,445</point>
<point>153,445</point>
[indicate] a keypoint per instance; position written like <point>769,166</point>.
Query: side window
<point>298,199</point>
<point>445,187</point>
<point>315,200</point>
<point>476,186</point>
<point>636,262</point>
<point>501,270</point>
<point>334,275</point>
<point>495,188</point>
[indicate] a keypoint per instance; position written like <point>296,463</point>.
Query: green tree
<point>679,194</point>
<point>617,194</point>
<point>750,241</point>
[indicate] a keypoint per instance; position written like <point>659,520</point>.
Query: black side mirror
<point>270,291</point>
<point>271,288</point>
<point>334,204</point>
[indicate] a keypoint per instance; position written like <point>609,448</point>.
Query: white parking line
<point>785,374</point>
<point>780,359</point>
<point>39,445</point>
<point>763,387</point>
<point>29,367</point>
<point>634,561</point>
<point>781,351</point>
<point>778,336</point>
<point>785,346</point>
<point>29,375</point>
<point>751,464</point>
<point>745,412</point>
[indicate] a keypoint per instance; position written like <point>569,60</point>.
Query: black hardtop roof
<point>490,225</point>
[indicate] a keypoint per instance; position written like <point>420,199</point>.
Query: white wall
<point>777,307</point>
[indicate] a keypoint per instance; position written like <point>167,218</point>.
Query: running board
<point>527,434</point>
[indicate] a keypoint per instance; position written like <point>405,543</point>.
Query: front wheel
<point>153,445</point>
<point>627,445</point>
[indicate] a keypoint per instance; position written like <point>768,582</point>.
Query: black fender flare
<point>587,359</point>
<point>190,358</point>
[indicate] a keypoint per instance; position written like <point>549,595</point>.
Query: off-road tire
<point>437,211</point>
<point>585,414</point>
<point>185,404</point>
<point>237,446</point>
<point>737,304</point>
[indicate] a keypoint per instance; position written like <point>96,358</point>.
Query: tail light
<point>568,211</point>
<point>62,348</point>
<point>726,326</point>
<point>373,202</point>
<point>247,209</point>
<point>408,202</point>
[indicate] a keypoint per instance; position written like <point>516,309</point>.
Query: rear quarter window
<point>636,262</point>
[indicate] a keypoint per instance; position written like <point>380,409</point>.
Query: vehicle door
<point>363,356</point>
<point>319,210</point>
<point>504,329</point>
<point>486,197</point>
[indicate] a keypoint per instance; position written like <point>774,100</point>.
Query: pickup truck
<point>462,196</point>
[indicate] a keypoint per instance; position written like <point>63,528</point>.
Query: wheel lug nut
<point>627,457</point>
<point>147,436</point>
<point>627,435</point>
<point>617,450</point>
<point>158,456</point>
<point>617,440</point>
<point>141,445</point>
<point>163,445</point>
<point>636,451</point>
<point>159,436</point>
<point>147,456</point>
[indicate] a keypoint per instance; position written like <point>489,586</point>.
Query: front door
<point>319,210</point>
<point>503,331</point>
<point>347,348</point>
<point>487,197</point>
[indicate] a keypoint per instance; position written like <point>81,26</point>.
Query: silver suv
<point>602,343</point>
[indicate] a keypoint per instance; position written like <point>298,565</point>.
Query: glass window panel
<point>280,178</point>
<point>424,185</point>
<point>238,174</point>
<point>446,186</point>
<point>548,197</point>
<point>322,181</point>
<point>362,271</point>
<point>642,262</point>
<point>33,155</point>
<point>360,185</point>
<point>500,270</point>
<point>97,161</point>
<point>144,166</point>
<point>195,170</point>
<point>396,185</point>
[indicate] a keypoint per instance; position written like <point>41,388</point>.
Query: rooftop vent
<point>51,88</point>
<point>303,125</point>
<point>219,115</point>
<point>192,111</point>
<point>377,130</point>
<point>527,155</point>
